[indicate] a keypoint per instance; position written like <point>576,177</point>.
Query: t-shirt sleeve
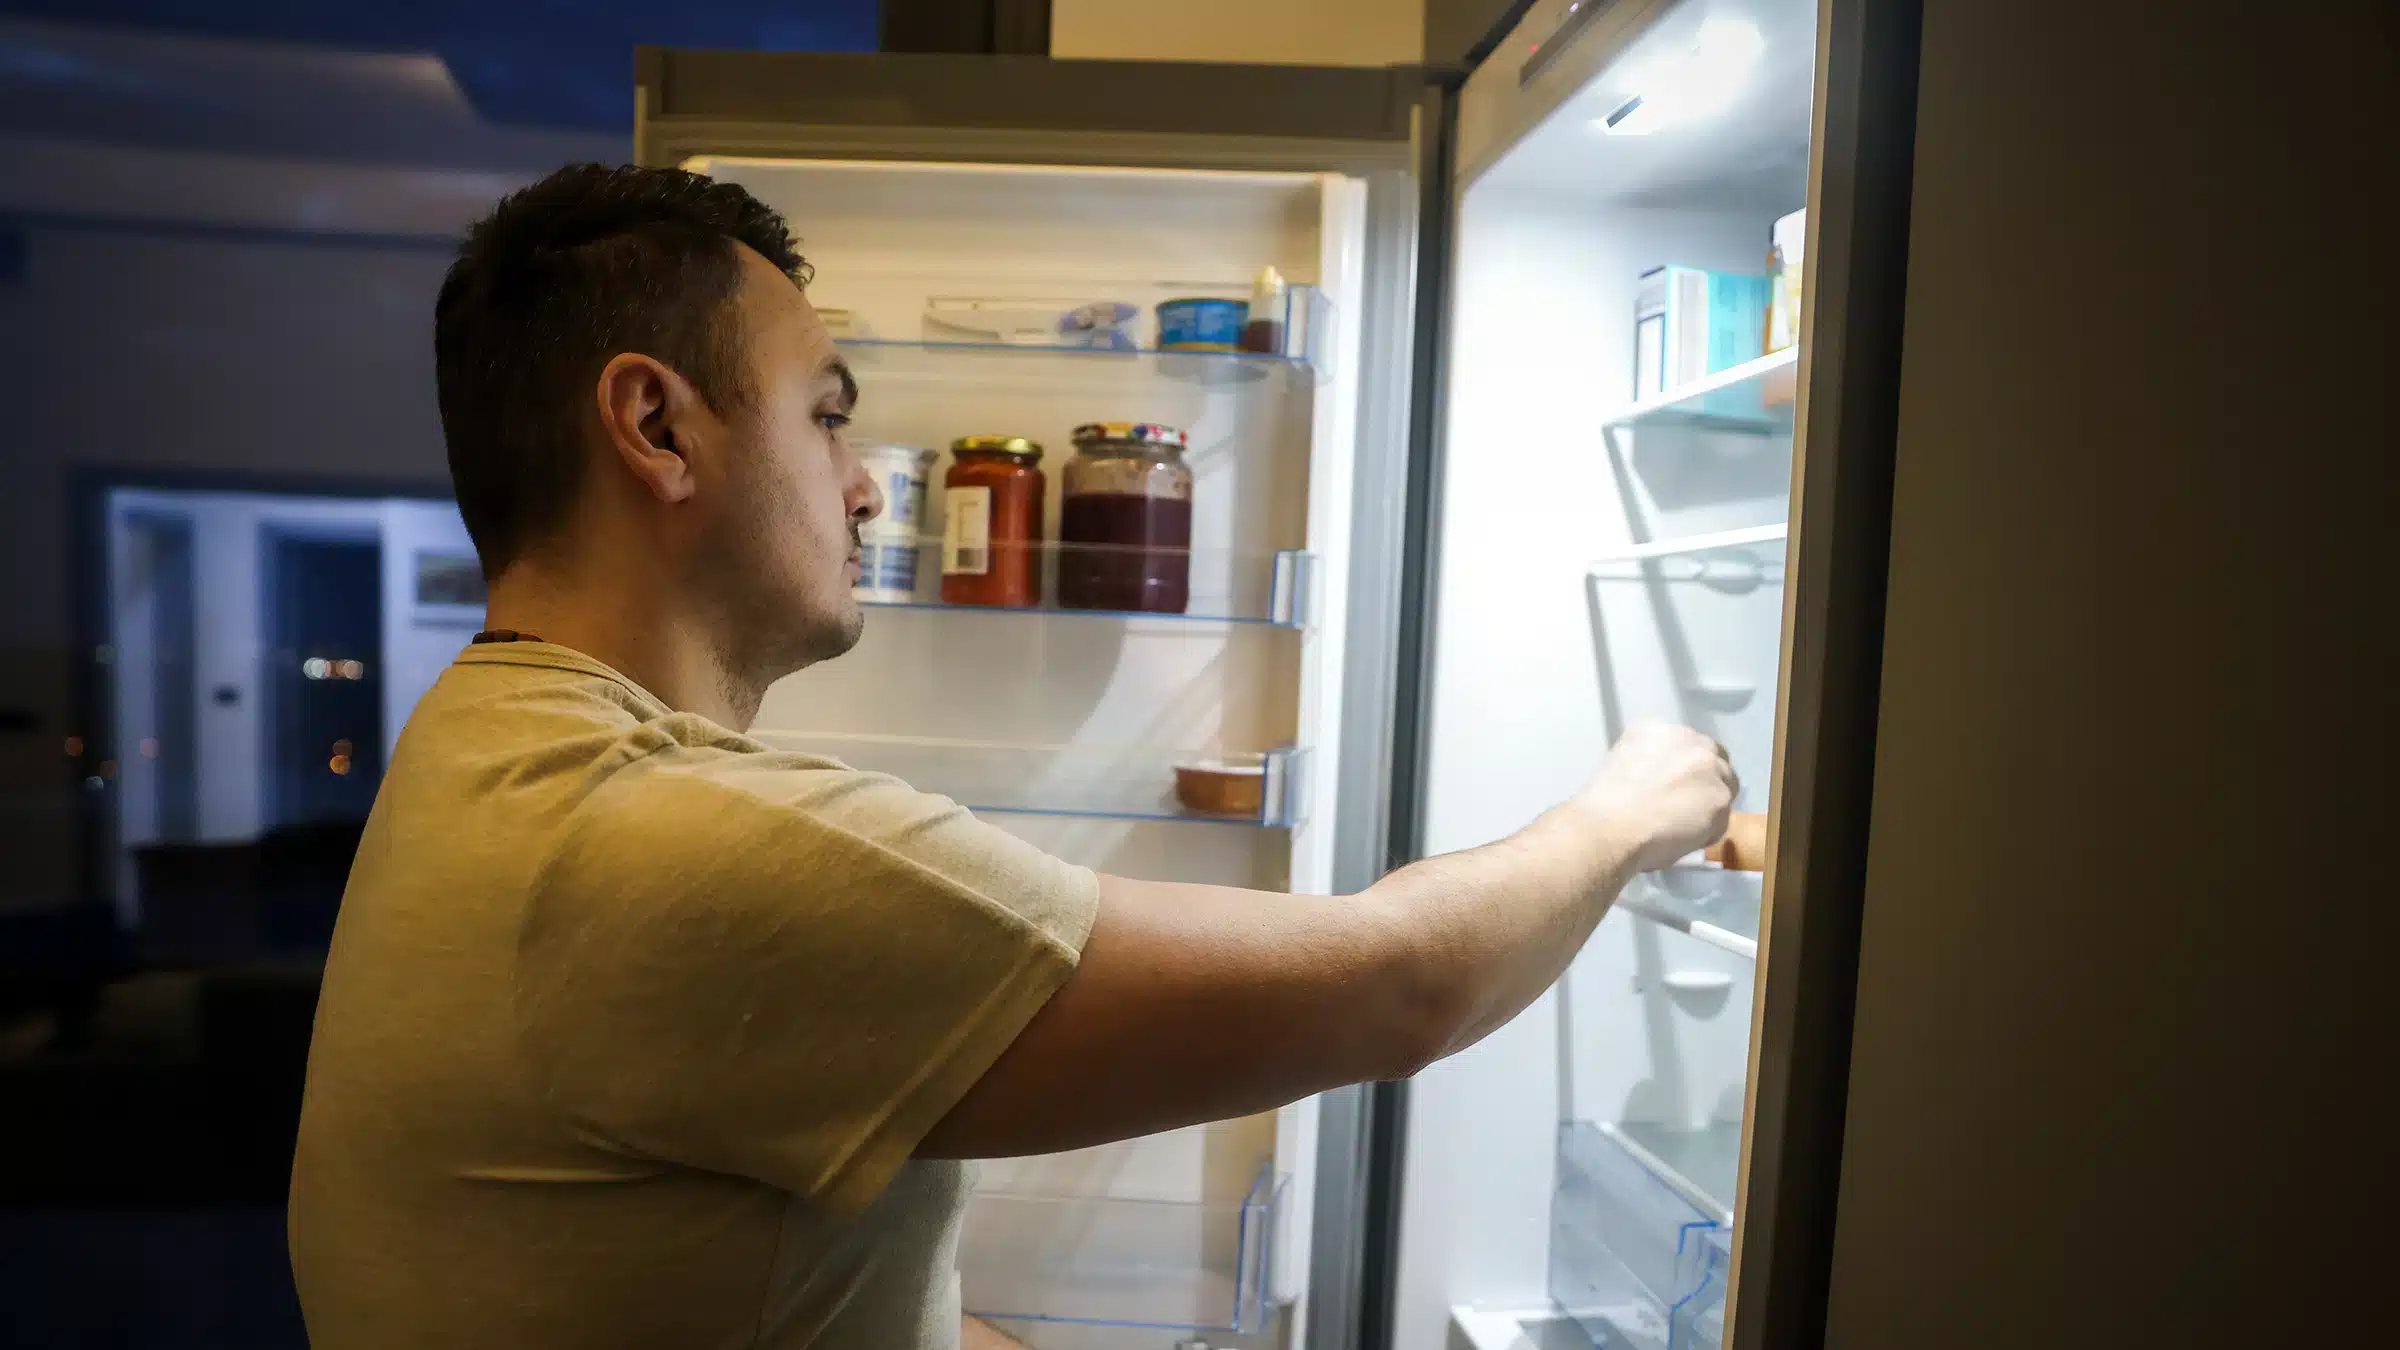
<point>785,972</point>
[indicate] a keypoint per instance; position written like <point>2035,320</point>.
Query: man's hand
<point>1668,788</point>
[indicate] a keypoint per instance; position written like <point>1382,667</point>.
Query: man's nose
<point>870,502</point>
<point>864,491</point>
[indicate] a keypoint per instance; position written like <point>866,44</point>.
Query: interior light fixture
<point>1698,82</point>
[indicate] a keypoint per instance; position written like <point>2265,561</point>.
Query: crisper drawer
<point>1633,1261</point>
<point>1121,1261</point>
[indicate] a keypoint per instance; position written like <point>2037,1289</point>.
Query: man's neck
<point>630,626</point>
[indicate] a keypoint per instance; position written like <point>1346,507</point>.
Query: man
<point>636,1034</point>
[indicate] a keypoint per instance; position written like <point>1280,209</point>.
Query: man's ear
<point>653,418</point>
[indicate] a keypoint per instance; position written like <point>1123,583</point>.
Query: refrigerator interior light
<point>1696,83</point>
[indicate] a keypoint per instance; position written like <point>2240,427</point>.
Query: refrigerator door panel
<point>942,201</point>
<point>1392,565</point>
<point>1615,544</point>
<point>1860,180</point>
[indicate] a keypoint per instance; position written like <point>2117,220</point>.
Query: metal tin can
<point>888,543</point>
<point>1201,325</point>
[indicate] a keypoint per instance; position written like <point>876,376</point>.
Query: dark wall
<point>547,65</point>
<point>159,351</point>
<point>2126,991</point>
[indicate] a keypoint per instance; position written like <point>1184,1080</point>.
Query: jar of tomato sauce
<point>992,522</point>
<point>1125,520</point>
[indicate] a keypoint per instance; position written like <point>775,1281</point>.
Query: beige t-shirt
<point>630,1026</point>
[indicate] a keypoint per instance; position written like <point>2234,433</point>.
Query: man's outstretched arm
<point>1197,1003</point>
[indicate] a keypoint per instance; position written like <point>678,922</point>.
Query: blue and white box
<point>1689,322</point>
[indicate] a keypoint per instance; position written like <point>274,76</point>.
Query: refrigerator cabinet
<point>933,193</point>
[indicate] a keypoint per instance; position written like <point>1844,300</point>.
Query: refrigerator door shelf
<point>1716,906</point>
<point>1730,571</point>
<point>1721,693</point>
<point>1226,586</point>
<point>1744,945</point>
<point>1636,1259</point>
<point>1755,398</point>
<point>1696,879</point>
<point>1108,1260</point>
<point>1611,566</point>
<point>1101,782</point>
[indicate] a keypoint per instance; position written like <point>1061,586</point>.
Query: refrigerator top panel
<point>1152,234</point>
<point>1022,110</point>
<point>1697,105</point>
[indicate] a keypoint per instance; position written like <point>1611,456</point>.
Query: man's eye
<point>833,421</point>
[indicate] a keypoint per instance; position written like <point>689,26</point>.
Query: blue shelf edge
<point>1268,360</point>
<point>936,606</point>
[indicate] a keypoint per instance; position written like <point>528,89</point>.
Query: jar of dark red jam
<point>1125,520</point>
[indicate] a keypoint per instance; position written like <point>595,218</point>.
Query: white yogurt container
<point>888,543</point>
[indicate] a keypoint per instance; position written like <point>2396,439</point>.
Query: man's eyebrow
<point>840,370</point>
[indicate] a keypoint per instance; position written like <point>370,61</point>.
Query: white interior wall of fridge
<point>1537,665</point>
<point>1270,457</point>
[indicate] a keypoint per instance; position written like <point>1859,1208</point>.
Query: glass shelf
<point>1105,1260</point>
<point>1307,324</point>
<point>1711,903</point>
<point>1636,1259</point>
<point>883,358</point>
<point>1755,398</point>
<point>1099,782</point>
<point>1730,562</point>
<point>1225,586</point>
<point>1703,1166</point>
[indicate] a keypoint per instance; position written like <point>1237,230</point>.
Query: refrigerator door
<point>955,207</point>
<point>1631,437</point>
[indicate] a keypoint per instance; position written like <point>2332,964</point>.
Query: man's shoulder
<point>746,824</point>
<point>684,789</point>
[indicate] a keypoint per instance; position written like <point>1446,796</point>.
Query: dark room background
<point>231,567</point>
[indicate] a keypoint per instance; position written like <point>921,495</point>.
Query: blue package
<point>1201,325</point>
<point>1690,322</point>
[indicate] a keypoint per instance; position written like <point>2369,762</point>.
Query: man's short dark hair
<point>561,276</point>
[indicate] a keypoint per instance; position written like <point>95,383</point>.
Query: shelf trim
<point>1060,611</point>
<point>1684,1187</point>
<point>1290,601</point>
<point>1694,543</point>
<point>1284,766</point>
<point>1725,939</point>
<point>1252,1297</point>
<point>1711,383</point>
<point>1259,362</point>
<point>1070,349</point>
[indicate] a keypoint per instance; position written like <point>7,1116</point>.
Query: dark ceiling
<point>565,64</point>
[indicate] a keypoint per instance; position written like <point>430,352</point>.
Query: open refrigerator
<point>1445,543</point>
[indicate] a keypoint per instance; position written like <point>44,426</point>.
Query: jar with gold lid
<point>1125,520</point>
<point>992,522</point>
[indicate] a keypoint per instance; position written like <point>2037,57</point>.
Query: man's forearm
<point>1490,928</point>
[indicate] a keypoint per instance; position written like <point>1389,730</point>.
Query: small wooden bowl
<point>1217,788</point>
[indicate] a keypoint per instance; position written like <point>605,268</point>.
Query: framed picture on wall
<point>449,589</point>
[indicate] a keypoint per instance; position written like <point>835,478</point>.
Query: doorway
<point>324,675</point>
